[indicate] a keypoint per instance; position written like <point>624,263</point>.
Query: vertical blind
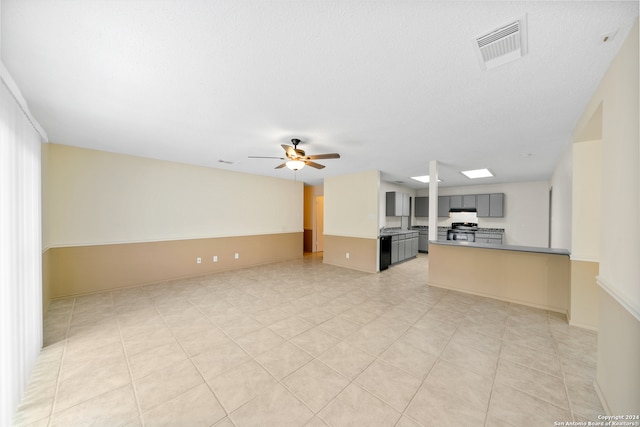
<point>20,247</point>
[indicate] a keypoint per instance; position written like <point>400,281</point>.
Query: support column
<point>433,200</point>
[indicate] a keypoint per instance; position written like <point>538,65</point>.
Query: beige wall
<point>362,253</point>
<point>95,197</point>
<point>616,99</point>
<point>351,210</point>
<point>585,231</point>
<point>526,217</point>
<point>112,220</point>
<point>583,311</point>
<point>533,279</point>
<point>86,269</point>
<point>618,377</point>
<point>351,205</point>
<point>586,205</point>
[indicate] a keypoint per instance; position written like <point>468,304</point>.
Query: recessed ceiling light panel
<point>424,179</point>
<point>477,173</point>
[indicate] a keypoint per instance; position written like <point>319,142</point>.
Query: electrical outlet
<point>198,260</point>
<point>215,258</point>
<point>347,255</point>
<point>237,255</point>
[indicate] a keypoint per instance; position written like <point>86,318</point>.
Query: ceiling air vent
<point>504,44</point>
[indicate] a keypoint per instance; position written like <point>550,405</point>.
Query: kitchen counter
<point>533,249</point>
<point>397,232</point>
<point>404,245</point>
<point>537,277</point>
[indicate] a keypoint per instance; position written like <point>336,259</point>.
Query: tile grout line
<point>126,357</point>
<point>495,374</point>
<point>204,380</point>
<point>59,376</point>
<point>404,412</point>
<point>564,379</point>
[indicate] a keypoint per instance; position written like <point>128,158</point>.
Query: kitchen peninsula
<point>533,276</point>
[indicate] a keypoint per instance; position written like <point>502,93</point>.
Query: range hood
<point>458,210</point>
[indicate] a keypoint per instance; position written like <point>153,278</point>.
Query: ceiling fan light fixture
<point>295,165</point>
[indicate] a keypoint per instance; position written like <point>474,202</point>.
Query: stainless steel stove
<point>463,231</point>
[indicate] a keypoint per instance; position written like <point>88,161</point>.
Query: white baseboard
<point>583,326</point>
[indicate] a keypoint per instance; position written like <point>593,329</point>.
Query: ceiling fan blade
<point>265,157</point>
<point>314,164</point>
<point>281,166</point>
<point>324,156</point>
<point>291,152</point>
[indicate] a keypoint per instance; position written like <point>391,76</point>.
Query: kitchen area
<point>404,234</point>
<point>472,231</point>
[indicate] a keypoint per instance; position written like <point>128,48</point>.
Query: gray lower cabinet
<point>404,246</point>
<point>395,249</point>
<point>423,242</point>
<point>414,246</point>
<point>490,238</point>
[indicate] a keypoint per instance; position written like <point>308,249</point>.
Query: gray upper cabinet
<point>455,202</point>
<point>490,205</point>
<point>397,204</point>
<point>482,205</point>
<point>421,207</point>
<point>487,205</point>
<point>469,201</point>
<point>443,206</point>
<point>496,205</point>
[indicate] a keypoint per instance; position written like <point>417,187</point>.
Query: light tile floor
<point>302,343</point>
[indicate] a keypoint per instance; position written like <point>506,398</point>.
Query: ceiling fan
<point>296,158</point>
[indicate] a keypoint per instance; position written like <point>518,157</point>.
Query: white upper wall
<point>617,96</point>
<point>351,206</point>
<point>561,203</point>
<point>96,197</point>
<point>586,209</point>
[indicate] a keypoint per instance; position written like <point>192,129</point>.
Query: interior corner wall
<point>618,371</point>
<point>98,201</point>
<point>351,220</point>
<point>561,200</point>
<point>585,233</point>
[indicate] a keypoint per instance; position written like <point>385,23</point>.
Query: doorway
<point>318,228</point>
<point>550,215</point>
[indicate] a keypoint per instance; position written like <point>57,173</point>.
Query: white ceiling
<point>388,84</point>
